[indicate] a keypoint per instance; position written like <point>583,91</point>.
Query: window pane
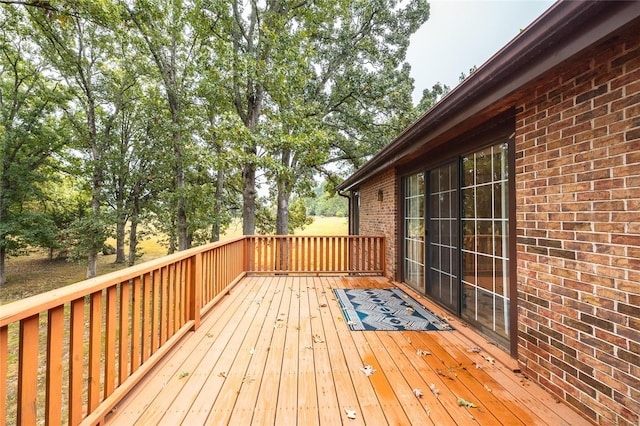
<point>414,230</point>
<point>485,253</point>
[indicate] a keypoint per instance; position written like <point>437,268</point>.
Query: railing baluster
<point>123,338</point>
<point>135,325</point>
<point>55,335</point>
<point>155,315</point>
<point>76,352</point>
<point>172,305</point>
<point>4,349</point>
<point>146,316</point>
<point>110,341</point>
<point>28,370</point>
<point>95,349</point>
<point>164,309</point>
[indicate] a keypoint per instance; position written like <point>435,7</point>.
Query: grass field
<point>36,273</point>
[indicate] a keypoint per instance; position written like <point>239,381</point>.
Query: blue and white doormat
<point>388,309</point>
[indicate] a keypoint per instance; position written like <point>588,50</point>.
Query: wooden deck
<point>277,350</point>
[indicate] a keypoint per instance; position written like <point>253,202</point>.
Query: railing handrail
<point>120,324</point>
<point>24,308</point>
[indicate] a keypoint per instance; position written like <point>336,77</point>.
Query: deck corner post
<point>195,290</point>
<point>383,255</point>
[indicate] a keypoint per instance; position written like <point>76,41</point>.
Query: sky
<point>460,34</point>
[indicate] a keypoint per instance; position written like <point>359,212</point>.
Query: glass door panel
<point>414,231</point>
<point>485,256</point>
<point>443,284</point>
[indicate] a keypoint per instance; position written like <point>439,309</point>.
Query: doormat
<point>388,309</point>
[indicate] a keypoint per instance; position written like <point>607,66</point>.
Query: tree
<point>431,96</point>
<point>79,46</point>
<point>31,135</point>
<point>168,35</point>
<point>314,83</point>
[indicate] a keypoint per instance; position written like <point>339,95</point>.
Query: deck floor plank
<point>266,404</point>
<point>287,408</point>
<point>461,385</point>
<point>501,379</point>
<point>346,392</point>
<point>243,410</point>
<point>237,373</point>
<point>370,407</point>
<point>159,388</point>
<point>328,406</point>
<point>307,403</point>
<point>203,385</point>
<point>395,387</point>
<point>278,351</point>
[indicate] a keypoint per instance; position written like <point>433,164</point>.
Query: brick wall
<point>379,217</point>
<point>578,227</point>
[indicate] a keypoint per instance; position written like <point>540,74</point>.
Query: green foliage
<point>173,113</point>
<point>431,96</point>
<point>324,203</point>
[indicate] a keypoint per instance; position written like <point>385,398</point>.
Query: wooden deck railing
<point>316,254</point>
<point>69,355</point>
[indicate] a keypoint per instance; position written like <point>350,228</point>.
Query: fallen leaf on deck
<point>317,339</point>
<point>252,351</point>
<point>209,335</point>
<point>309,347</point>
<point>421,352</point>
<point>474,349</point>
<point>351,323</point>
<point>417,392</point>
<point>410,311</point>
<point>183,374</point>
<point>434,389</point>
<point>487,388</point>
<point>409,340</point>
<point>463,403</point>
<point>489,359</point>
<point>443,374</point>
<point>222,374</point>
<point>351,414</point>
<point>324,305</point>
<point>368,370</point>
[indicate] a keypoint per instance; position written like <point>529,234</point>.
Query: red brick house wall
<point>578,229</point>
<point>379,217</point>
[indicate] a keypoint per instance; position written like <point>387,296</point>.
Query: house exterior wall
<point>379,217</point>
<point>578,231</point>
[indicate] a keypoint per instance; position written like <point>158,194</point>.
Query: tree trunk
<point>282,218</point>
<point>172,237</point>
<point>133,239</point>
<point>135,219</point>
<point>120,235</point>
<point>3,271</point>
<point>284,194</point>
<point>249,199</point>
<point>96,185</point>
<point>215,228</point>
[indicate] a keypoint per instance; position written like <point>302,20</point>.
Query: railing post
<point>383,255</point>
<point>195,290</point>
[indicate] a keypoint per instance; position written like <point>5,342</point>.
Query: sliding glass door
<point>460,211</point>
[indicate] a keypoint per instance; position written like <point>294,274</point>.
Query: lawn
<point>36,273</point>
